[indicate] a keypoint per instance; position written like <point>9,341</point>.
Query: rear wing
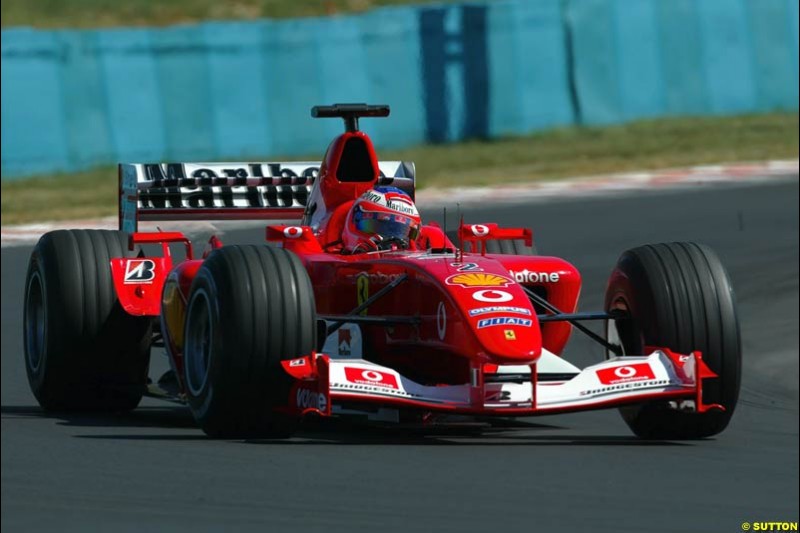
<point>228,191</point>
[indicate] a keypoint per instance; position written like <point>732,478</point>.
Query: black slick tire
<point>678,295</point>
<point>82,350</point>
<point>250,307</point>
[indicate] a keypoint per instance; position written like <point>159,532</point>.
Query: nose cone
<point>500,316</point>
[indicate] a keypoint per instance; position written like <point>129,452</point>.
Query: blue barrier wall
<point>647,58</point>
<point>238,90</point>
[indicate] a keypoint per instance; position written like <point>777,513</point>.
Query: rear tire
<point>250,307</point>
<point>678,296</point>
<point>82,350</point>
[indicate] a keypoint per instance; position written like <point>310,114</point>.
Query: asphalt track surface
<point>152,470</point>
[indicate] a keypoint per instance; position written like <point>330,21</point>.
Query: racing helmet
<point>383,218</point>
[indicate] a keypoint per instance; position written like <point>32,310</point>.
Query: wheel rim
<point>199,340</point>
<point>35,323</point>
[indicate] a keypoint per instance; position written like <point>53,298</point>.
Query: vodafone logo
<point>526,276</point>
<point>377,378</point>
<point>479,230</point>
<point>625,374</point>
<point>310,399</point>
<point>371,375</point>
<point>492,296</point>
<point>292,232</point>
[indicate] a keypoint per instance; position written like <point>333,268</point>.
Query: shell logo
<point>478,279</point>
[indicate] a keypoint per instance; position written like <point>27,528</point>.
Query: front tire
<point>250,308</point>
<point>678,296</point>
<point>82,350</point>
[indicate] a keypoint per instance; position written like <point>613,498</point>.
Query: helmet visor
<point>387,225</point>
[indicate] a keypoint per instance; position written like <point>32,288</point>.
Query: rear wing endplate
<point>228,191</point>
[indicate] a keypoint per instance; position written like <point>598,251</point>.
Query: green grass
<point>566,152</point>
<point>60,197</point>
<point>109,13</point>
<point>650,144</point>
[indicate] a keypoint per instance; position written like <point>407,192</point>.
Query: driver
<point>383,218</point>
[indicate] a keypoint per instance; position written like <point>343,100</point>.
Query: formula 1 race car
<point>403,329</point>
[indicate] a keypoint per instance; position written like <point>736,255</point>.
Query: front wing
<point>323,383</point>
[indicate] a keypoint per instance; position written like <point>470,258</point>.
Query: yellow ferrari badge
<point>510,335</point>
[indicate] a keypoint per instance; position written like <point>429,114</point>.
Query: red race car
<point>356,307</point>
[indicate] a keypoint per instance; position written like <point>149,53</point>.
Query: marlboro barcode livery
<point>358,306</point>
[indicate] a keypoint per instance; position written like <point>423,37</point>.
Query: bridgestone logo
<point>140,271</point>
<point>526,276</point>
